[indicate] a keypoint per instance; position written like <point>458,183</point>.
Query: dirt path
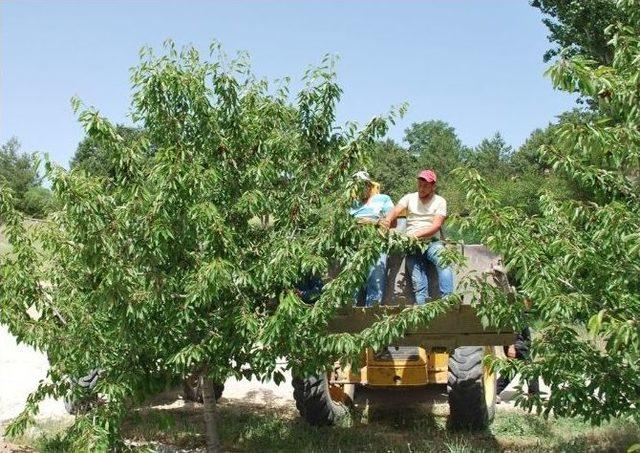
<point>21,368</point>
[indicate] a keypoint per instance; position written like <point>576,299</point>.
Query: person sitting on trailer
<point>426,212</point>
<point>372,207</point>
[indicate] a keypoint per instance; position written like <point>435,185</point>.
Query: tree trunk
<point>210,415</point>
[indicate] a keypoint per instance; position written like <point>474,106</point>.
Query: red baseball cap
<point>428,175</point>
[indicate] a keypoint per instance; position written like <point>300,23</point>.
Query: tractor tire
<point>75,405</point>
<point>80,406</point>
<point>315,403</point>
<point>471,388</point>
<point>192,390</point>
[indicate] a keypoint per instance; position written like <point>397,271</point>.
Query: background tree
<point>519,177</point>
<point>579,260</point>
<point>93,158</point>
<point>394,168</point>
<point>533,175</point>
<point>162,268</point>
<point>431,144</point>
<point>20,172</point>
<point>435,145</point>
<point>578,27</point>
<point>492,157</point>
<point>526,159</point>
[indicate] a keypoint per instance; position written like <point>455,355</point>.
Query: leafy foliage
<point>394,168</point>
<point>579,260</point>
<point>527,158</point>
<point>491,157</point>
<point>96,160</point>
<point>518,177</point>
<point>160,267</point>
<point>436,146</point>
<point>578,27</point>
<point>19,171</point>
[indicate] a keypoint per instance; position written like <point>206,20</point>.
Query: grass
<point>248,428</point>
<point>4,244</point>
<point>41,437</point>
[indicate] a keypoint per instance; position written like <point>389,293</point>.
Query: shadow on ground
<point>383,420</point>
<point>249,427</point>
<point>389,421</point>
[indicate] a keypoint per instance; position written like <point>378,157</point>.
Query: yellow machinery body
<point>443,350</point>
<point>397,366</point>
<point>421,356</point>
<point>405,366</point>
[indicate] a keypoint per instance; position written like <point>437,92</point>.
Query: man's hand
<point>426,233</point>
<point>391,217</point>
<point>384,223</point>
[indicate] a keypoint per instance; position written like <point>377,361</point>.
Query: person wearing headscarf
<point>372,207</point>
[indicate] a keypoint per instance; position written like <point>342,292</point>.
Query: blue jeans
<point>309,288</point>
<point>417,267</point>
<point>376,283</point>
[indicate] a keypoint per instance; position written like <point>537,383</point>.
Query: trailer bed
<point>458,327</point>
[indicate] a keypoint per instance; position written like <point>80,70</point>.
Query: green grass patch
<point>255,428</point>
<point>248,428</point>
<point>43,437</point>
<point>4,244</point>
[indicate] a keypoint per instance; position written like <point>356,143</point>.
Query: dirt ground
<point>21,369</point>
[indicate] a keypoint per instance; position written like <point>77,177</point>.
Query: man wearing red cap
<point>426,212</point>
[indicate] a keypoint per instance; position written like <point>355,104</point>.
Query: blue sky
<point>477,65</point>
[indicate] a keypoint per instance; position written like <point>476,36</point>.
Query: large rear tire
<point>81,398</point>
<point>472,389</point>
<point>319,403</point>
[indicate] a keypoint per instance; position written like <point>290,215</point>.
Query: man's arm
<point>438,220</point>
<point>392,216</point>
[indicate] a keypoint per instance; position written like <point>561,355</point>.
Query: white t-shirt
<point>420,214</point>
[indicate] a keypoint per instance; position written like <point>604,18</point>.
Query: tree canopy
<point>579,27</point>
<point>435,145</point>
<point>19,171</point>
<point>161,267</point>
<point>155,263</point>
<point>394,168</point>
<point>93,158</point>
<point>578,260</point>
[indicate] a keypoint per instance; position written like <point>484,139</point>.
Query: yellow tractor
<point>449,351</point>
